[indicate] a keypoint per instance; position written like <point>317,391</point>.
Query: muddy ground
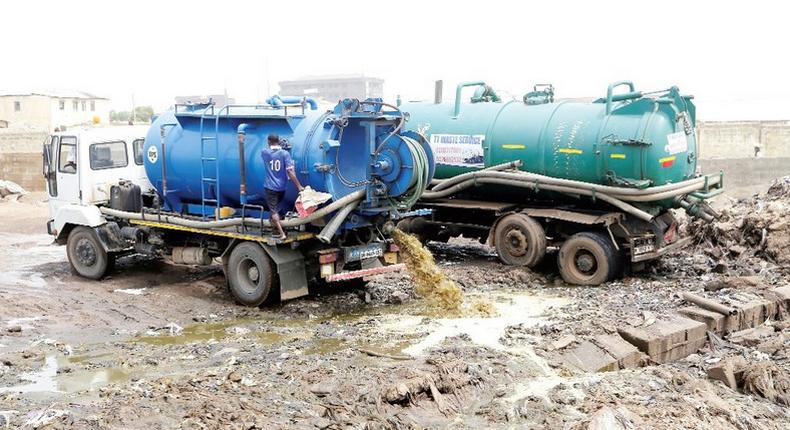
<point>158,346</point>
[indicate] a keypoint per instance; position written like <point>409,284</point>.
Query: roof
<point>106,133</point>
<point>63,94</point>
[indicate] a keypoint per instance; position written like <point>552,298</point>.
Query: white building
<point>334,88</point>
<point>47,110</point>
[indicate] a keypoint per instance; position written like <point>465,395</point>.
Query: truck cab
<point>81,165</point>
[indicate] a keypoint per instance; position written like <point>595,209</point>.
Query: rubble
<point>749,232</point>
<point>9,188</point>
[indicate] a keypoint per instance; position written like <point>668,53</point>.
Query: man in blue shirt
<point>279,168</point>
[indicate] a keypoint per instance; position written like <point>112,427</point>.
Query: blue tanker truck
<point>188,189</point>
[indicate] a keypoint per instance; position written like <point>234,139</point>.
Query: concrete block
<point>784,293</point>
<point>713,320</point>
<point>590,358</point>
<point>668,339</point>
<point>754,313</point>
<point>729,371</point>
<point>627,355</point>
<point>723,372</point>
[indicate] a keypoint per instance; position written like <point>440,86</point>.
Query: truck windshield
<point>107,155</point>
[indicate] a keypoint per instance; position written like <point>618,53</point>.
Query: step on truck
<point>189,189</point>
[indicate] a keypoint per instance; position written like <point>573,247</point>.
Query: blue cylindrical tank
<point>356,146</point>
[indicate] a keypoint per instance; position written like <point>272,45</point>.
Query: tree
<point>143,113</point>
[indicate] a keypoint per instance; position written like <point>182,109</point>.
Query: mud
<point>156,346</point>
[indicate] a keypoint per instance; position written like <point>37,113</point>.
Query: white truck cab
<point>81,165</point>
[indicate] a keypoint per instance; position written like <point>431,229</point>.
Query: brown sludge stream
<point>431,283</point>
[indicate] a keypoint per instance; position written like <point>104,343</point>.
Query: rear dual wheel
<point>588,258</point>
<point>520,240</point>
<point>250,274</point>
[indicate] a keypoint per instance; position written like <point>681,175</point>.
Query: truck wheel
<point>86,254</point>
<point>587,258</point>
<point>520,240</point>
<point>250,274</point>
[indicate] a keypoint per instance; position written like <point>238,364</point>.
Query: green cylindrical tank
<point>628,138</point>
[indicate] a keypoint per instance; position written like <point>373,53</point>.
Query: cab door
<point>49,165</point>
<point>68,165</point>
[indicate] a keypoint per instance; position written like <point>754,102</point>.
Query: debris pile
<point>8,188</point>
<point>762,378</point>
<point>752,229</point>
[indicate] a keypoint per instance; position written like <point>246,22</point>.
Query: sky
<point>732,56</point>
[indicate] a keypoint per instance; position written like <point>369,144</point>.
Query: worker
<point>279,168</point>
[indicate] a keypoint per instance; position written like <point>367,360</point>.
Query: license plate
<point>363,252</point>
<point>642,249</point>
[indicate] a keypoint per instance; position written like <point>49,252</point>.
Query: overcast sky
<point>733,56</point>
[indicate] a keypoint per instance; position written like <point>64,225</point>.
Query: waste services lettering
<point>458,149</point>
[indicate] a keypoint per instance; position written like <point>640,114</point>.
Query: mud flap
<point>290,269</point>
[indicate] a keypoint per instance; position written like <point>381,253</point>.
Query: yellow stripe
<point>513,146</point>
<point>571,151</point>
<point>665,159</point>
<point>618,156</point>
<point>232,235</point>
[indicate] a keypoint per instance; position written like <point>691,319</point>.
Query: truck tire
<point>250,274</point>
<point>588,258</point>
<point>86,253</point>
<point>519,240</point>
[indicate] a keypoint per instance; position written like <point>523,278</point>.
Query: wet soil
<point>158,346</point>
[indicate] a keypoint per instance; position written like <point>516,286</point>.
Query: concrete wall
<point>738,139</point>
<point>22,168</point>
<point>744,172</point>
<point>20,158</point>
<point>21,141</point>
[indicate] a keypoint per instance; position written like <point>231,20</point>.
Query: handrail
<point>610,90</point>
<point>461,86</point>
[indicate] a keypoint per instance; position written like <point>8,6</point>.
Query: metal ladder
<point>209,151</point>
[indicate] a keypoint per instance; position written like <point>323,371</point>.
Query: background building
<point>48,110</point>
<point>334,88</point>
<point>218,99</point>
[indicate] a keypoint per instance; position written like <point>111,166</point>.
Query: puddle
<point>24,322</point>
<point>21,254</point>
<point>131,291</point>
<point>331,344</point>
<point>194,333</point>
<point>511,310</point>
<point>47,379</point>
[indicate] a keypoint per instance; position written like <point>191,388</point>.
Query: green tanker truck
<point>595,180</point>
